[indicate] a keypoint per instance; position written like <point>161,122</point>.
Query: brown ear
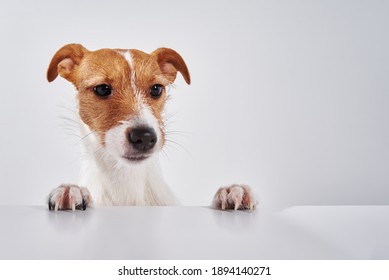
<point>170,62</point>
<point>64,62</point>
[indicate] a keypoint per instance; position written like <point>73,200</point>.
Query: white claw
<point>238,201</point>
<point>221,196</point>
<point>56,207</point>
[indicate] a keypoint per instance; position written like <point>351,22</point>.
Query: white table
<point>301,232</point>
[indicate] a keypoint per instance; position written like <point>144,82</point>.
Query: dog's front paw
<point>237,197</point>
<point>69,197</point>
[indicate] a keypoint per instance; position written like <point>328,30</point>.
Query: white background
<point>290,97</point>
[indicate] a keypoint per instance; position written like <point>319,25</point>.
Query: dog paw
<point>237,197</point>
<point>69,197</point>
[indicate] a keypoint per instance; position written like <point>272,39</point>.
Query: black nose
<point>142,139</point>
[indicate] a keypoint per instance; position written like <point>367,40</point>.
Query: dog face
<point>121,94</point>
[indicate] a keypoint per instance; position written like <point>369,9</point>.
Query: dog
<point>121,100</point>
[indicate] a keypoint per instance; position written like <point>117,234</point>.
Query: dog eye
<point>156,91</point>
<point>102,90</point>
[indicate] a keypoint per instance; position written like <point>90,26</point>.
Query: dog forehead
<point>118,64</point>
<point>104,60</point>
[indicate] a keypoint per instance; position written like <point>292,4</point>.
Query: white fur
<point>112,181</point>
<point>128,57</point>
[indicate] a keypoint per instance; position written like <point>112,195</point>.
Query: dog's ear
<point>170,62</point>
<point>65,61</point>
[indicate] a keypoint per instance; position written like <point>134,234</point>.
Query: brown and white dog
<point>121,99</point>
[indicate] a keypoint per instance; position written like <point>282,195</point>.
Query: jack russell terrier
<point>121,99</point>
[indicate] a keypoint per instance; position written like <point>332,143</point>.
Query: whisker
<point>164,152</point>
<point>85,136</point>
<point>67,118</point>
<point>169,118</point>
<point>175,145</point>
<point>178,132</point>
<point>64,107</point>
<point>72,134</point>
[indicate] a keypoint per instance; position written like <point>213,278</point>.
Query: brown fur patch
<point>103,113</point>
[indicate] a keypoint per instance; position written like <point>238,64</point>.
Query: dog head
<point>121,94</point>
